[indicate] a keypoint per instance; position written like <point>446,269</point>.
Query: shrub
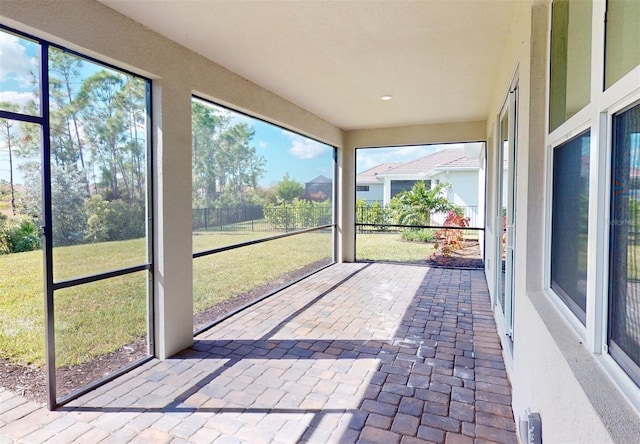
<point>415,206</point>
<point>425,235</point>
<point>371,214</point>
<point>448,240</point>
<point>114,220</point>
<point>18,235</point>
<point>298,214</point>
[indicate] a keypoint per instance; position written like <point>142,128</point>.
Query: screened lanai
<point>160,159</point>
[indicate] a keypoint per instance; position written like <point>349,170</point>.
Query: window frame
<point>619,373</point>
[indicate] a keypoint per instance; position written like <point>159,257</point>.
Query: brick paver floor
<point>376,353</point>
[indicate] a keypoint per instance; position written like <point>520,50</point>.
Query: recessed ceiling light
<point>387,97</point>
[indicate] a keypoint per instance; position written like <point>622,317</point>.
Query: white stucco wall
<point>376,192</point>
<point>464,186</point>
<point>95,30</point>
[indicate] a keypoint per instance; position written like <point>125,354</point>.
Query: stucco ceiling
<point>437,58</point>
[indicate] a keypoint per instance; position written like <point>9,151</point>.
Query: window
<point>362,188</point>
<point>569,226</point>
<point>624,267</point>
<point>622,52</point>
<point>398,186</point>
<point>570,59</point>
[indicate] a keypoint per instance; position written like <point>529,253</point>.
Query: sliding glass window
<point>570,223</point>
<point>624,267</point>
<point>262,201</point>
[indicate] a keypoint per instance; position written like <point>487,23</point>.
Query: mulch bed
<point>469,256</point>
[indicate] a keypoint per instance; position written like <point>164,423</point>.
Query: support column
<point>172,223</point>
<point>346,210</point>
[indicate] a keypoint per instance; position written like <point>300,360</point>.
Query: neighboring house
<point>451,165</point>
<point>462,168</point>
<point>320,184</point>
<point>368,186</point>
<point>459,167</point>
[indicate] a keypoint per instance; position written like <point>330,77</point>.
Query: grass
<point>390,247</point>
<point>22,308</point>
<point>226,275</point>
<point>94,319</point>
<point>90,320</point>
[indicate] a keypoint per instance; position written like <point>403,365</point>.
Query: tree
<point>9,136</point>
<point>415,206</point>
<point>288,189</point>
<point>132,100</point>
<point>205,122</point>
<point>69,222</point>
<point>66,141</point>
<point>105,126</point>
<point>240,165</point>
<point>225,167</point>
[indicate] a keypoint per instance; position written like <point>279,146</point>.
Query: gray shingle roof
<point>450,158</point>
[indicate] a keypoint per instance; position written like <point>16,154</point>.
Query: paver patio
<point>356,353</point>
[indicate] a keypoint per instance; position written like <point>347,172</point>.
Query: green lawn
<point>90,320</point>
<point>389,247</point>
<point>22,308</point>
<point>224,275</point>
<point>101,317</point>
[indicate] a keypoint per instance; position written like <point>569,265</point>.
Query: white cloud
<point>18,98</point>
<point>303,148</point>
<point>15,64</point>
<point>262,144</point>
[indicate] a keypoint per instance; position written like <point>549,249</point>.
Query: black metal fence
<point>291,218</point>
<point>240,218</point>
<point>271,218</point>
<point>375,218</point>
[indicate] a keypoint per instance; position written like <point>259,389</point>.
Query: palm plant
<point>415,206</point>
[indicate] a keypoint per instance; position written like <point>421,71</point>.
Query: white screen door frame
<point>506,209</point>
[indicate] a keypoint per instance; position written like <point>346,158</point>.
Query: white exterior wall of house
<point>463,192</point>
<point>376,192</point>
